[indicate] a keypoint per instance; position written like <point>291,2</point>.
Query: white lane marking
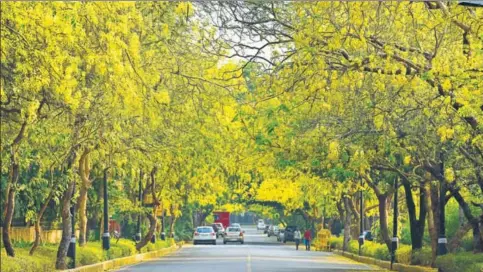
<point>249,263</point>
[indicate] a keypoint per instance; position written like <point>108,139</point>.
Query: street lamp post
<point>442,241</point>
<point>138,233</point>
<point>163,234</point>
<point>105,236</point>
<point>395,239</point>
<point>361,206</point>
<point>71,249</point>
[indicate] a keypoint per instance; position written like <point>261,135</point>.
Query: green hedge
<point>23,262</point>
<point>461,262</point>
<point>369,249</point>
<point>44,258</point>
<point>379,251</point>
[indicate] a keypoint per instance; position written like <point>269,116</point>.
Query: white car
<point>233,234</point>
<point>236,225</point>
<point>260,225</point>
<point>204,235</point>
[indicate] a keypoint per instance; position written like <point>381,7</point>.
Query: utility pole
<point>361,227</point>
<point>71,249</point>
<point>106,236</point>
<point>395,239</point>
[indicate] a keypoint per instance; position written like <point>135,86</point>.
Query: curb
<point>129,260</point>
<point>385,264</point>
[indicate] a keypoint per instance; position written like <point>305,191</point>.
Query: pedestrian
<point>297,236</point>
<point>307,237</point>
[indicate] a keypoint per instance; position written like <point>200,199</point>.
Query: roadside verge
<point>129,260</point>
<point>385,264</point>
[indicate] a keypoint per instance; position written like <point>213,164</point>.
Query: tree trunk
<point>37,222</point>
<point>383,220</point>
<point>100,198</point>
<point>475,222</point>
<point>82,204</point>
<point>416,226</point>
<point>8,221</point>
<point>61,263</point>
<point>347,224</point>
<point>152,229</point>
<point>455,242</point>
<point>10,203</point>
<point>14,173</point>
<point>84,170</point>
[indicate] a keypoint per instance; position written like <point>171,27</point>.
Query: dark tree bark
<point>38,231</point>
<point>151,215</point>
<point>152,229</point>
<point>61,263</point>
<point>416,225</point>
<point>383,220</point>
<point>455,242</point>
<point>84,170</point>
<point>13,178</point>
<point>475,222</point>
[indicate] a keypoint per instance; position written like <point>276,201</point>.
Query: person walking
<point>308,238</point>
<point>297,236</point>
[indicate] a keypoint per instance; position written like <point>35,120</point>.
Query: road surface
<point>259,253</point>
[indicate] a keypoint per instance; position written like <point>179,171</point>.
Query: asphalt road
<point>259,253</point>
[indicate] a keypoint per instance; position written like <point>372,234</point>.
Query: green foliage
<point>25,263</point>
<point>379,251</point>
<point>44,257</point>
<point>89,254</point>
<point>403,254</point>
<point>422,256</point>
<point>376,250</point>
<point>461,262</point>
<point>336,242</point>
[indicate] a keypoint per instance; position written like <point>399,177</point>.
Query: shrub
<point>89,254</point>
<point>403,254</point>
<point>375,250</point>
<point>126,247</point>
<point>422,256</point>
<point>461,262</point>
<point>353,247</point>
<point>156,246</point>
<point>336,242</point>
<point>23,262</point>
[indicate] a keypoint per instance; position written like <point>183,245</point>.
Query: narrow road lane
<point>258,254</point>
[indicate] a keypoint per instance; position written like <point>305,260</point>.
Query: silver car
<point>204,235</point>
<point>233,234</point>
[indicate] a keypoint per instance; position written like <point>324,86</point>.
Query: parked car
<point>204,235</point>
<point>220,230</point>
<point>281,235</point>
<point>261,224</point>
<point>273,231</point>
<point>233,234</point>
<point>288,235</point>
<point>368,235</point>
<point>265,231</point>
